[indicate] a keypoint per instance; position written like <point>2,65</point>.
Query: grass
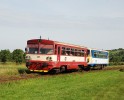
<point>10,69</point>
<point>103,85</point>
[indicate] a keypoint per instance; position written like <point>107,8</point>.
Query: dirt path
<point>17,77</point>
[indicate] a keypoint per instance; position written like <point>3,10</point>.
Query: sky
<point>92,23</point>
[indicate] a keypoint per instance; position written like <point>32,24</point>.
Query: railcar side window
<point>63,50</point>
<point>78,52</point>
<point>75,52</point>
<point>68,51</point>
<point>82,52</point>
<point>72,52</point>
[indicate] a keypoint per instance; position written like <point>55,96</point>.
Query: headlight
<point>27,57</point>
<point>49,58</point>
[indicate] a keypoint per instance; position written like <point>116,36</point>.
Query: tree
<point>116,56</point>
<point>122,59</point>
<point>18,56</point>
<point>5,56</point>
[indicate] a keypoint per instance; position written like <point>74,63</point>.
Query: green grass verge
<point>11,69</point>
<point>103,85</point>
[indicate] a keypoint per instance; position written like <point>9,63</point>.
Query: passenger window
<point>75,52</point>
<point>82,52</point>
<point>63,50</point>
<point>67,51</point>
<point>78,52</point>
<point>72,52</point>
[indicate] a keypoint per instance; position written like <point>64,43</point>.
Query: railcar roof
<point>98,49</point>
<point>62,43</point>
<point>51,42</point>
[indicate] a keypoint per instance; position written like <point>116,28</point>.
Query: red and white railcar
<point>47,55</point>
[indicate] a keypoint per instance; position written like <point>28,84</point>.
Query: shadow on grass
<point>26,71</point>
<point>121,70</point>
<point>23,71</point>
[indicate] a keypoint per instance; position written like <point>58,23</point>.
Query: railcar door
<point>58,55</point>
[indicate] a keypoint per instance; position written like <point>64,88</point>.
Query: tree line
<point>116,56</point>
<point>17,56</point>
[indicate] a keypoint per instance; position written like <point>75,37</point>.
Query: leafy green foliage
<point>18,56</point>
<point>5,56</point>
<point>116,56</point>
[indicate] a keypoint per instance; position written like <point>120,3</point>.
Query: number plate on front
<point>38,56</point>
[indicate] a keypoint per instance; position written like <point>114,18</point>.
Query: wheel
<point>80,68</point>
<point>101,67</point>
<point>62,69</point>
<point>87,68</point>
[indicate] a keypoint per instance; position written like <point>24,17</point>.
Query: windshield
<point>46,49</point>
<point>99,54</point>
<point>42,49</point>
<point>33,50</point>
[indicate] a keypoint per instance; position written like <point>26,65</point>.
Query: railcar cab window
<point>99,54</point>
<point>95,54</point>
<point>32,49</point>
<point>42,49</point>
<point>46,49</point>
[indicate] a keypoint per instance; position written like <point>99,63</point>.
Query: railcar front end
<point>40,56</point>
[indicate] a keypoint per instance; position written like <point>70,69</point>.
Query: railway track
<point>26,76</point>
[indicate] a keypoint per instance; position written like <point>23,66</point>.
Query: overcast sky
<point>92,23</point>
